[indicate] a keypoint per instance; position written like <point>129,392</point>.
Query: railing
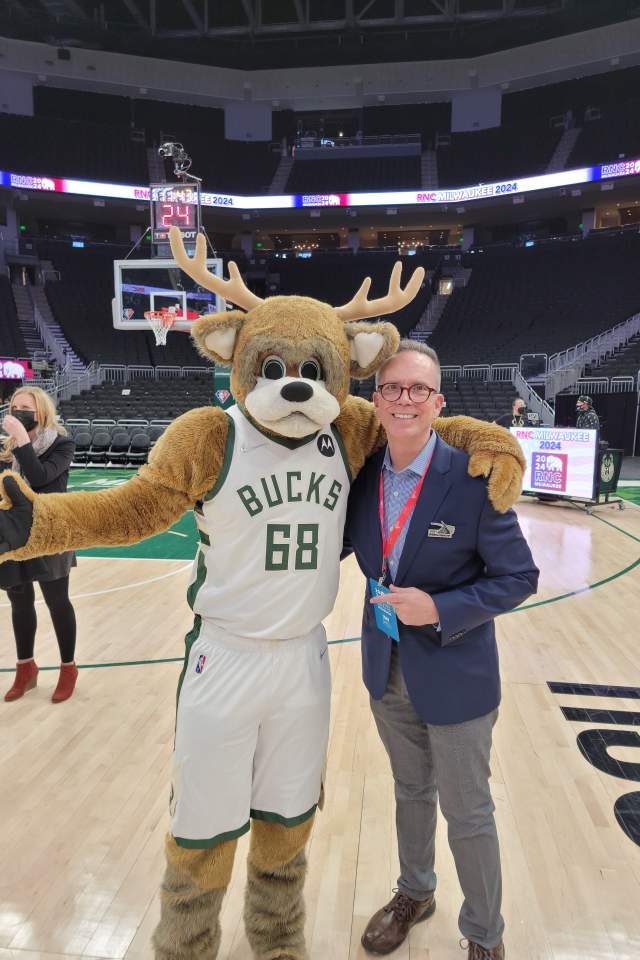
<point>497,372</point>
<point>120,373</point>
<point>622,384</point>
<point>596,348</point>
<point>71,384</point>
<point>533,400</point>
<point>591,385</point>
<point>311,142</point>
<point>502,373</point>
<point>481,371</point>
<point>53,347</point>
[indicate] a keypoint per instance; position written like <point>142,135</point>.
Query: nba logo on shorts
<point>200,663</point>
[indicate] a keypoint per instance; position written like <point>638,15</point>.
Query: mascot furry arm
<point>291,359</point>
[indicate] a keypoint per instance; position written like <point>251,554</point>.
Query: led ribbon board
<point>474,192</point>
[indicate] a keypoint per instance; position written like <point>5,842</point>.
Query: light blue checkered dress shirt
<point>398,485</point>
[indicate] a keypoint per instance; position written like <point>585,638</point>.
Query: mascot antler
<point>234,290</point>
<point>359,307</point>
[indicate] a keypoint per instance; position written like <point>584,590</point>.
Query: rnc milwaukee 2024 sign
<point>465,194</point>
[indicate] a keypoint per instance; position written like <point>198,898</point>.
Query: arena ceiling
<point>260,34</point>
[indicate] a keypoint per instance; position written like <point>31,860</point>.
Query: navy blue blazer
<point>483,569</point>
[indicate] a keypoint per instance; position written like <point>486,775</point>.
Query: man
<point>452,564</point>
<point>517,415</point>
<point>587,418</point>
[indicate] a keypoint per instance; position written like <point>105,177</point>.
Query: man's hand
<point>413,607</point>
<point>16,519</point>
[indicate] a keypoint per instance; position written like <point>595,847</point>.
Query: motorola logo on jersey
<point>326,445</point>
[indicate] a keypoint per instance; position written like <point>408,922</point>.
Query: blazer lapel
<point>435,488</point>
<point>370,495</point>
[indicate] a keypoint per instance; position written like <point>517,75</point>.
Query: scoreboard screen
<point>174,205</point>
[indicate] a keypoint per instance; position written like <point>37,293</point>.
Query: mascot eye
<point>273,368</point>
<point>310,370</point>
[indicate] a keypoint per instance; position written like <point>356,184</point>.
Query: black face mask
<point>27,418</point>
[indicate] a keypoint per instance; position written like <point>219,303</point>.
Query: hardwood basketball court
<point>84,785</point>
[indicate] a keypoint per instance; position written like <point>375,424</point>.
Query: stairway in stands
<point>436,305</point>
<point>24,307</point>
<point>41,304</point>
<point>281,176</point>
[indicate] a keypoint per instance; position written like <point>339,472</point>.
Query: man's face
<point>404,418</point>
<point>582,406</point>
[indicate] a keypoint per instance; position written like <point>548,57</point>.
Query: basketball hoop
<point>160,321</point>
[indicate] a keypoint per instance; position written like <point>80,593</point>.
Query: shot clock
<point>174,205</point>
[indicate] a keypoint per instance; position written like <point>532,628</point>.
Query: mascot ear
<point>215,335</point>
<point>370,345</point>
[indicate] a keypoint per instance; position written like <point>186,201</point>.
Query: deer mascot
<point>268,481</point>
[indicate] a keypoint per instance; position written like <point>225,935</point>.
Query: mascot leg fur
<point>274,902</point>
<point>191,897</point>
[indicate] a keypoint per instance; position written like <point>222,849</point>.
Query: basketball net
<point>160,321</point>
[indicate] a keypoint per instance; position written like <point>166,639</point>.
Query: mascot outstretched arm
<point>268,481</point>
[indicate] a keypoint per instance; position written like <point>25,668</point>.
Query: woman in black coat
<point>39,450</point>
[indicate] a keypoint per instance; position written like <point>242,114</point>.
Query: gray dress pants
<point>449,762</point>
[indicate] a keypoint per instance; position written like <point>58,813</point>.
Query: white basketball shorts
<point>251,734</point>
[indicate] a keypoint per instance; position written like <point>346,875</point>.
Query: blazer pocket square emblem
<point>441,530</point>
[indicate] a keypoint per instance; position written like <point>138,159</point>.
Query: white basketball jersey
<point>271,533</point>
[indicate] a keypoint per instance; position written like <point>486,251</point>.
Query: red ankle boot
<point>25,679</point>
<point>66,682</point>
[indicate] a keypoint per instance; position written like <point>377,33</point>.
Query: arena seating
<point>615,133</point>
<point>81,303</point>
<point>353,175</point>
<point>112,427</point>
<point>427,119</point>
<point>538,300</point>
<point>113,146</point>
<point>335,277</point>
<point>486,156</point>
<point>146,400</point>
<point>625,363</point>
<point>485,400</point>
<point>66,148</point>
<point>11,340</point>
<point>479,398</point>
<point>224,165</point>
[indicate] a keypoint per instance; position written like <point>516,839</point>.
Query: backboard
<point>143,286</point>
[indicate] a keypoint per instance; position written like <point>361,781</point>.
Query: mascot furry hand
<point>268,481</point>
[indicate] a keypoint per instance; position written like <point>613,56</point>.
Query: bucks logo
<point>607,468</point>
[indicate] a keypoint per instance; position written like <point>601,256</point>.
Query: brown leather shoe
<point>389,927</point>
<point>476,952</point>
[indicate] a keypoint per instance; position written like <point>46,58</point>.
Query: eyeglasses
<point>418,392</point>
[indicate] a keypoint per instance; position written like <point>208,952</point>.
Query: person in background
<point>37,448</point>
<point>586,417</point>
<point>517,415</point>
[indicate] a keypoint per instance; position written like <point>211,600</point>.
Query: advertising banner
<point>560,462</point>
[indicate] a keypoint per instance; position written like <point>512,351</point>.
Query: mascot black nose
<point>297,391</point>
